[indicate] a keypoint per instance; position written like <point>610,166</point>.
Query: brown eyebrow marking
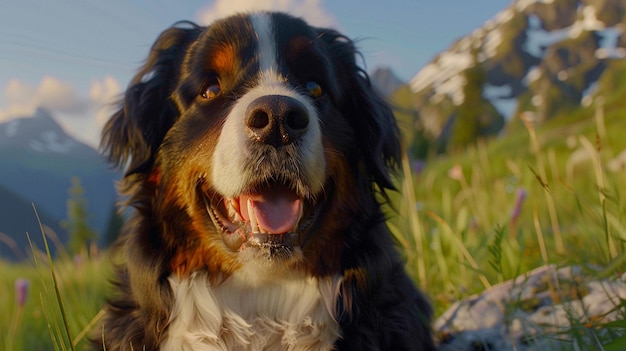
<point>223,59</point>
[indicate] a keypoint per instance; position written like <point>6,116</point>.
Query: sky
<point>75,57</point>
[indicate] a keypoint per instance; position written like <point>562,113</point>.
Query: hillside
<point>537,59</point>
<point>38,160</point>
<point>18,218</point>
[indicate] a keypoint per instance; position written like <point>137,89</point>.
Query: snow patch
<point>538,39</point>
<point>506,107</point>
<point>608,44</point>
<point>500,97</point>
<point>51,142</point>
<point>492,41</point>
<point>489,36</point>
<point>444,75</point>
<point>521,5</point>
<point>453,88</point>
<point>532,75</point>
<point>11,128</point>
<point>588,93</point>
<point>505,15</point>
<point>497,91</point>
<point>590,20</point>
<point>36,145</point>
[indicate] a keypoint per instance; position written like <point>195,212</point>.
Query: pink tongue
<point>277,210</point>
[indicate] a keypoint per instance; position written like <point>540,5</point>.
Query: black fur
<point>380,308</point>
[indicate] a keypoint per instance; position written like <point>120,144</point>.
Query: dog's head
<point>254,143</point>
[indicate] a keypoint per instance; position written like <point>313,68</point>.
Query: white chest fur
<point>284,313</point>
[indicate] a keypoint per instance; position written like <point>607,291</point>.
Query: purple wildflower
<point>21,291</point>
<point>78,260</point>
<point>417,166</point>
<point>519,203</point>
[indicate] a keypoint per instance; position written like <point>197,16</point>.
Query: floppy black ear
<point>372,118</point>
<point>132,135</point>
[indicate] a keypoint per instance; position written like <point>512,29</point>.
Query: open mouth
<point>272,216</point>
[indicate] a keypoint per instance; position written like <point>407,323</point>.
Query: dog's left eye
<point>314,89</point>
<point>211,89</point>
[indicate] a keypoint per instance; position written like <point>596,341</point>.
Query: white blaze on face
<point>232,168</point>
<point>263,28</point>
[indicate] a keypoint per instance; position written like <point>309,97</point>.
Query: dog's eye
<point>314,89</point>
<point>211,89</point>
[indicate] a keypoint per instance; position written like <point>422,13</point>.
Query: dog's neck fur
<point>281,313</point>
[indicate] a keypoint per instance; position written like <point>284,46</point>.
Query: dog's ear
<point>371,117</point>
<point>132,135</point>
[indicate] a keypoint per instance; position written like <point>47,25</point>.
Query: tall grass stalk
<point>59,300</point>
<point>496,252</point>
<point>599,118</point>
<point>88,327</point>
<point>554,218</point>
<point>463,252</point>
<point>540,238</point>
<point>414,221</point>
<point>536,150</point>
<point>594,154</point>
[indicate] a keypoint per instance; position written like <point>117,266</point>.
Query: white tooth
<point>232,204</point>
<point>231,210</point>
<point>233,214</point>
<point>253,223</point>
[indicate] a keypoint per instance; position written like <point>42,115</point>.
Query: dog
<point>256,158</point>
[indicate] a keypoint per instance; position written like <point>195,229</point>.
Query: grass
<point>465,222</point>
<point>502,208</point>
<point>464,205</point>
<point>54,304</point>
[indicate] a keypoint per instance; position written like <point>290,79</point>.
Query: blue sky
<point>73,56</point>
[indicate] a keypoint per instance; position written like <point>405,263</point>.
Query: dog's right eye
<point>211,88</point>
<point>314,89</point>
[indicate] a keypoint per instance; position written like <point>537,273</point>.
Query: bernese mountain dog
<point>256,158</point>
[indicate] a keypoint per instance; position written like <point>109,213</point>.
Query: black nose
<point>277,120</point>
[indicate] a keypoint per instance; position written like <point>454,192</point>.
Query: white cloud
<point>80,115</point>
<point>311,10</point>
<point>103,95</point>
<point>52,94</point>
<point>105,91</point>
<point>55,95</point>
<point>18,100</point>
<point>18,92</point>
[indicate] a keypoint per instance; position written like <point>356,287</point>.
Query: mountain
<point>18,218</point>
<point>385,81</point>
<point>40,134</point>
<point>536,58</point>
<point>38,161</point>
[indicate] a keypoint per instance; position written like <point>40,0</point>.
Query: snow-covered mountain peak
<point>39,133</point>
<point>533,56</point>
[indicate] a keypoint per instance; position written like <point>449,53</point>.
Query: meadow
<point>464,222</point>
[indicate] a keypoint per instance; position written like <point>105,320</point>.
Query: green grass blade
<point>68,332</point>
